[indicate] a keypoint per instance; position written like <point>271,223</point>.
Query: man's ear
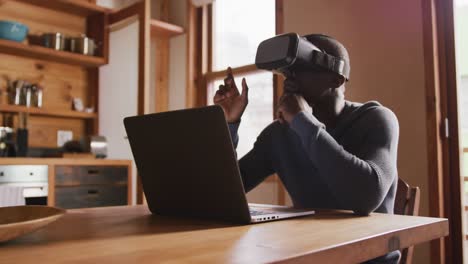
<point>338,80</point>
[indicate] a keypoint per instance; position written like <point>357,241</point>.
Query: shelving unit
<point>46,112</point>
<point>42,53</point>
<point>75,7</point>
<point>63,75</point>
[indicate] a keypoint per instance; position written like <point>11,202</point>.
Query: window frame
<point>200,65</point>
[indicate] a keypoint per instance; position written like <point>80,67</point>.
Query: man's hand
<point>229,98</point>
<point>290,105</point>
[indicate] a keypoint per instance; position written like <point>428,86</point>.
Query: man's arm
<point>360,180</point>
<point>256,165</point>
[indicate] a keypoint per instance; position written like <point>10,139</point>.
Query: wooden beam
<point>433,123</point>
<point>217,75</point>
<point>144,51</point>
<point>164,7</point>
<point>163,29</point>
<point>160,32</point>
<point>443,154</point>
<point>162,74</point>
<point>125,13</point>
<point>51,185</point>
<point>193,54</point>
<point>278,90</point>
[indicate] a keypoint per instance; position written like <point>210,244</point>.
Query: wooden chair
<point>406,203</point>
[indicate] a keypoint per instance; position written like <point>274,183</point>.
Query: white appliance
<point>33,179</point>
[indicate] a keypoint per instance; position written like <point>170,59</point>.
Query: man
<point>328,152</point>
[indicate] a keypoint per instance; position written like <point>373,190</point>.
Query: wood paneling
<point>61,83</point>
<point>43,130</point>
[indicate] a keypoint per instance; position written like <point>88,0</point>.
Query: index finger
<point>230,82</point>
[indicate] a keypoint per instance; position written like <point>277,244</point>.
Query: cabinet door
<point>118,95</point>
<point>118,92</point>
<point>123,82</point>
<point>87,196</point>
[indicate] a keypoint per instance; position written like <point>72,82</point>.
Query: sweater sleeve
<point>359,180</point>
<point>233,127</point>
<point>256,165</point>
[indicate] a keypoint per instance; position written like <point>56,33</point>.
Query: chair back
<point>406,203</point>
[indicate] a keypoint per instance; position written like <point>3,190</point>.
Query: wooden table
<point>133,235</point>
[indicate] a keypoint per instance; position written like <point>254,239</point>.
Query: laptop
<point>188,167</point>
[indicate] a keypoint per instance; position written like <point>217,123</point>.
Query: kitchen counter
<point>63,161</point>
<point>82,182</point>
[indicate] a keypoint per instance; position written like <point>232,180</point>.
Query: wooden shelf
<point>161,28</point>
<point>42,53</point>
<point>465,178</point>
<point>46,112</point>
<point>75,7</point>
<point>465,150</point>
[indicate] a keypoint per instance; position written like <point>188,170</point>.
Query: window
<point>238,27</point>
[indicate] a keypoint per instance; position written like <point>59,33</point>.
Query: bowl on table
<point>16,221</point>
<point>12,30</point>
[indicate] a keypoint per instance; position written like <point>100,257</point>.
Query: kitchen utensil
<point>22,135</point>
<point>15,94</point>
<point>12,30</point>
<point>78,104</point>
<point>36,95</point>
<point>98,146</point>
<point>83,45</point>
<point>7,146</point>
<point>20,220</point>
<point>22,142</point>
<point>27,95</point>
<point>54,40</point>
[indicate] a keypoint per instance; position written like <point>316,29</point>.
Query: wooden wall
<point>61,82</point>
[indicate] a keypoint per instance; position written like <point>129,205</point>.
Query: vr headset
<point>289,53</point>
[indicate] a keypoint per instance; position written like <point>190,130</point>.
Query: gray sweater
<point>352,167</point>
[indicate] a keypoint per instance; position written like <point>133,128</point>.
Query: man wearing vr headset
<point>328,152</point>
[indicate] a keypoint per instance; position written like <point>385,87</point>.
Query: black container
<point>22,142</point>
